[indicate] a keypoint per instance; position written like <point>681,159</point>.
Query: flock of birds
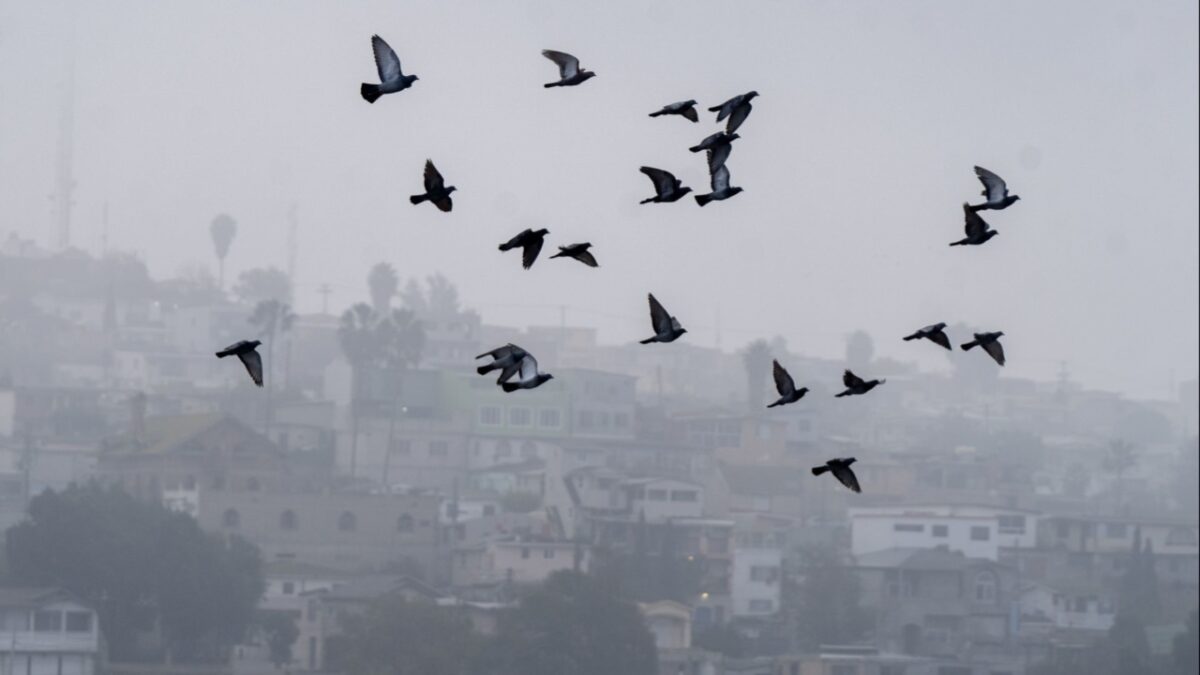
<point>519,368</point>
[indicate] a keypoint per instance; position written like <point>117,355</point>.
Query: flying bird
<point>666,327</point>
<point>841,471</point>
<point>786,386</point>
<point>719,181</point>
<point>935,333</point>
<point>995,190</point>
<point>990,343</point>
<point>977,229</point>
<point>737,109</point>
<point>507,359</point>
<point>714,141</point>
<point>247,354</point>
<point>682,108</point>
<point>579,252</point>
<point>529,378</point>
<point>856,386</point>
<point>667,187</point>
<point>530,242</point>
<point>436,190</point>
<point>569,72</point>
<point>391,78</point>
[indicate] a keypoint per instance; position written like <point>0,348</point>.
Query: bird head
<point>1016,198</point>
<point>734,190</point>
<point>733,137</point>
<point>802,391</point>
<point>849,460</point>
<point>547,377</point>
<point>751,94</point>
<point>682,331</point>
<point>415,78</point>
<point>450,189</point>
<point>999,333</point>
<point>585,245</point>
<point>690,101</point>
<point>542,232</point>
<point>587,74</point>
<point>255,343</point>
<point>684,190</point>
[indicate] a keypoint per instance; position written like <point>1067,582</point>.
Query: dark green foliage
<point>822,600</point>
<point>280,632</point>
<point>1185,653</point>
<point>400,637</point>
<point>723,639</point>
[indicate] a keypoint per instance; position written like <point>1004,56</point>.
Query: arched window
<point>231,519</point>
<point>985,587</point>
<point>405,523</point>
<point>288,520</point>
<point>347,522</point>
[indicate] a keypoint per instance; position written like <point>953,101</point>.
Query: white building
<point>46,631</point>
<point>513,559</point>
<point>664,498</point>
<point>1066,608</point>
<point>976,531</point>
<point>756,581</point>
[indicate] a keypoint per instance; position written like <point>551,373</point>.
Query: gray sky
<point>855,161</point>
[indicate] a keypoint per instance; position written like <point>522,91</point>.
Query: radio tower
<point>64,189</point>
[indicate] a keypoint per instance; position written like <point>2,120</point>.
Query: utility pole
<point>63,198</point>
<point>293,227</point>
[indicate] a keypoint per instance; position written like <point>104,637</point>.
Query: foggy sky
<point>855,162</point>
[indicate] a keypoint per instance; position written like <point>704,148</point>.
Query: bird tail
<point>507,246</point>
<point>370,92</point>
<point>978,207</point>
<point>417,199</point>
<point>958,243</point>
<point>484,370</point>
<point>703,199</point>
<point>646,201</point>
<point>551,84</point>
<point>966,346</point>
<point>780,402</point>
<point>657,114</point>
<point>648,341</point>
<point>558,255</point>
<point>715,108</point>
<point>223,354</point>
<point>695,148</point>
<point>509,386</point>
<point>844,393</point>
<point>914,336</point>
<point>818,470</point>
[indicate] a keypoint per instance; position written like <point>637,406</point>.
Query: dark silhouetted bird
<point>786,386</point>
<point>530,242</point>
<point>391,79</point>
<point>737,109</point>
<point>978,231</point>
<point>714,141</point>
<point>855,385</point>
<point>529,377</point>
<point>841,471</point>
<point>436,190</point>
<point>719,181</point>
<point>666,327</point>
<point>569,72</point>
<point>990,343</point>
<point>507,359</point>
<point>683,109</point>
<point>935,334</point>
<point>248,355</point>
<point>667,187</point>
<point>579,252</point>
<point>995,190</point>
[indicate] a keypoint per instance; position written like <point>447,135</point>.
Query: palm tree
<point>222,231</point>
<point>756,359</point>
<point>383,284</point>
<point>401,339</point>
<point>359,340</point>
<point>272,318</point>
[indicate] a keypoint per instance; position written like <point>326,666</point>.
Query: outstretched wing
<point>994,350</point>
<point>690,113</point>
<point>784,383</point>
<point>994,187</point>
<point>529,368</point>
<point>663,181</point>
<point>720,179</point>
<point>938,336</point>
<point>530,250</point>
<point>724,109</point>
<point>386,61</point>
<point>500,352</point>
<point>587,258</point>
<point>718,155</point>
<point>660,320</point>
<point>253,363</point>
<point>568,66</point>
<point>433,178</point>
<point>516,241</point>
<point>850,380</point>
<point>845,476</point>
<point>739,115</point>
<point>974,224</point>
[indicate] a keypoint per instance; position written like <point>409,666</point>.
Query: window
<point>586,419</point>
<point>548,553</point>
<point>656,495</point>
<point>489,415</point>
<point>525,554</point>
<point>549,418</point>
<point>764,574</point>
<point>684,495</point>
<point>1011,524</point>
<point>981,533</point>
<point>347,522</point>
<point>231,519</point>
<point>520,417</point>
<point>908,527</point>
<point>762,605</point>
<point>985,587</point>
<point>1115,530</point>
<point>79,622</point>
<point>47,621</point>
<point>404,523</point>
<point>288,520</point>
<point>439,448</point>
<point>401,446</point>
<point>718,545</point>
<point>940,530</point>
<point>289,588</point>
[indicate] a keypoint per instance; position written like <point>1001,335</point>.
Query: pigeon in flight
<point>530,242</point>
<point>990,343</point>
<point>935,334</point>
<point>737,109</point>
<point>719,180</point>
<point>529,377</point>
<point>246,353</point>
<point>435,189</point>
<point>666,327</point>
<point>788,393</point>
<point>995,190</point>
<point>667,187</point>
<point>978,231</point>
<point>683,109</point>
<point>391,78</point>
<point>856,386</point>
<point>841,471</point>
<point>714,141</point>
<point>569,72</point>
<point>579,252</point>
<point>507,358</point>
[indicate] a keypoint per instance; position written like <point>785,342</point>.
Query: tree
<point>413,297</point>
<point>860,350</point>
<point>141,566</point>
<point>1119,457</point>
<point>756,360</point>
<point>400,637</point>
<point>280,632</point>
<point>361,346</point>
<point>402,339</point>
<point>1127,649</point>
<point>271,318</point>
<point>441,295</point>
<point>572,624</point>
<point>823,602</point>
<point>222,230</point>
<point>1185,652</point>
<point>1138,595</point>
<point>258,284</point>
<point>383,283</point>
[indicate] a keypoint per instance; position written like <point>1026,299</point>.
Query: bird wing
<point>386,61</point>
<point>663,181</point>
<point>784,383</point>
<point>850,380</point>
<point>994,350</point>
<point>587,258</point>
<point>253,363</point>
<point>660,320</point>
<point>994,187</point>
<point>974,224</point>
<point>720,179</point>
<point>510,370</point>
<point>724,109</point>
<point>529,252</point>
<point>690,113</point>
<point>568,66</point>
<point>938,336</point>
<point>529,368</point>
<point>433,178</point>
<point>707,142</point>
<point>516,241</point>
<point>718,155</point>
<point>845,476</point>
<point>500,352</point>
<point>739,115</point>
